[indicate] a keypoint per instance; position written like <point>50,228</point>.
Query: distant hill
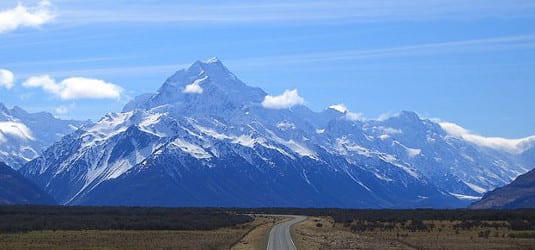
<point>519,194</point>
<point>15,189</point>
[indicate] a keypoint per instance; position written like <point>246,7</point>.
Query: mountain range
<point>205,138</point>
<point>24,136</point>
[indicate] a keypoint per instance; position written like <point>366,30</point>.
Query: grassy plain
<point>38,227</point>
<point>324,233</point>
<point>248,236</point>
<point>222,238</point>
<point>214,239</point>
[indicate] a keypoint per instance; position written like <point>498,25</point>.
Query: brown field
<point>309,235</point>
<point>114,239</point>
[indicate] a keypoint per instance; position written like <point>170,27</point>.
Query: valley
<point>38,227</point>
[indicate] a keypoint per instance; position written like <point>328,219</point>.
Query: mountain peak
<point>18,110</point>
<point>208,83</point>
<point>406,116</point>
<point>213,60</point>
<point>409,115</point>
<point>210,67</point>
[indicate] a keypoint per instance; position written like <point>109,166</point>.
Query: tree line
<point>38,218</point>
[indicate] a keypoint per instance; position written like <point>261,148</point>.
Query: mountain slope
<point>15,189</point>
<point>518,194</point>
<point>23,135</point>
<point>205,139</point>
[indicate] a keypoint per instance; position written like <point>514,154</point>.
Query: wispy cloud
<point>464,46</point>
<point>521,42</point>
<point>283,11</point>
<point>70,61</point>
<point>23,16</point>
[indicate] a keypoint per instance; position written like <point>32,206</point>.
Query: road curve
<point>280,237</point>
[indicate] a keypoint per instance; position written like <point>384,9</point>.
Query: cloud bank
<point>7,79</point>
<point>75,87</point>
<point>287,99</point>
<point>22,16</point>
<point>514,146</point>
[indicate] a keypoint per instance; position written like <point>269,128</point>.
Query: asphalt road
<point>280,237</point>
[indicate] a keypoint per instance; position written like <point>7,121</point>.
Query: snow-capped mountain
<point>23,135</point>
<point>205,139</point>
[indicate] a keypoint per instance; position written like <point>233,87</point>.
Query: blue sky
<point>468,62</point>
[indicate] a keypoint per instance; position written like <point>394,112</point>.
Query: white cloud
<point>195,87</point>
<point>288,99</point>
<point>514,146</point>
<point>16,129</point>
<point>46,82</point>
<point>349,115</point>
<point>22,16</point>
<point>75,87</point>
<point>339,107</point>
<point>7,79</point>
